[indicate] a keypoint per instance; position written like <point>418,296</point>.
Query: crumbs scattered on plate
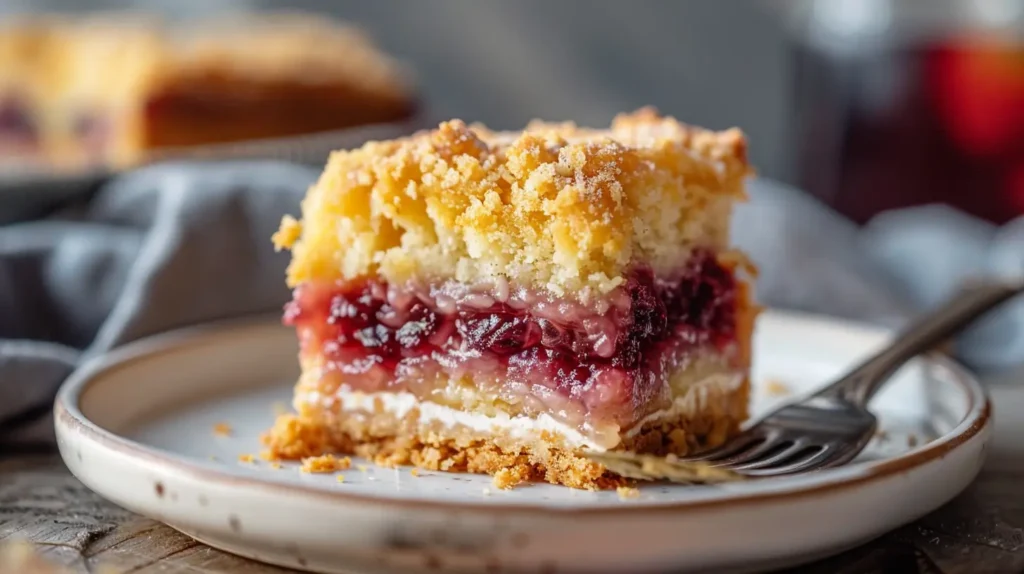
<point>415,471</point>
<point>341,478</point>
<point>326,463</point>
<point>776,388</point>
<point>275,465</point>
<point>222,429</point>
<point>627,492</point>
<point>247,458</point>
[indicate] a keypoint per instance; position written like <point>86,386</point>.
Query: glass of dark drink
<point>902,102</point>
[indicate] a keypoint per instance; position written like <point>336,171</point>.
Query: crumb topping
<point>554,206</point>
<point>288,234</point>
<point>141,53</point>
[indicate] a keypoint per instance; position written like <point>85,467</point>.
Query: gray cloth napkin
<point>175,245</point>
<point>157,249</point>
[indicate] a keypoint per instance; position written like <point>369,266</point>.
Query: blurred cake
<point>468,300</point>
<point>111,88</point>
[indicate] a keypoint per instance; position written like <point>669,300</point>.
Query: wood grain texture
<point>980,532</point>
<point>42,503</point>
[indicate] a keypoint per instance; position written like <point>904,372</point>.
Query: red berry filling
<point>579,363</point>
<point>16,124</point>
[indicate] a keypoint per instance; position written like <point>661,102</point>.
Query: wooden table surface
<point>979,532</point>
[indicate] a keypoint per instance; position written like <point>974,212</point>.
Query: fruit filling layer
<point>598,364</point>
<point>17,128</point>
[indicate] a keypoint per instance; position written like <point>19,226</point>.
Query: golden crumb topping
<point>555,206</point>
<point>288,234</point>
<point>113,57</point>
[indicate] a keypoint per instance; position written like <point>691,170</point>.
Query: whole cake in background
<point>108,89</point>
<point>467,300</point>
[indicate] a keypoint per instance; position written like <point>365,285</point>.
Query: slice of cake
<point>112,88</point>
<point>499,302</point>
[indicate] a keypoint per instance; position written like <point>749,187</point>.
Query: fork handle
<point>923,334</point>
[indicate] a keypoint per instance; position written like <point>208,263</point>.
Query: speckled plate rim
<point>69,419</point>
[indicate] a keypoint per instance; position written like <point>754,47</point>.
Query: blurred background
<point>869,104</point>
<point>866,105</point>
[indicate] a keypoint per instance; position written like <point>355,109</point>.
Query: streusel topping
<point>555,206</point>
<point>111,57</point>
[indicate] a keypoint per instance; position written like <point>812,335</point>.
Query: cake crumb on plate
<point>776,388</point>
<point>222,429</point>
<point>247,458</point>
<point>627,492</point>
<point>326,463</point>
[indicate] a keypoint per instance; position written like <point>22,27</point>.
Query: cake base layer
<point>390,439</point>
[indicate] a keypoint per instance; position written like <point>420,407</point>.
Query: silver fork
<point>832,426</point>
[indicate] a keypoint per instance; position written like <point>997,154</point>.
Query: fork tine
<point>828,454</point>
<point>794,448</point>
<point>833,454</point>
<point>733,446</point>
<point>746,455</point>
<point>841,456</point>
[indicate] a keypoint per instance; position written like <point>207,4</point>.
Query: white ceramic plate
<point>137,427</point>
